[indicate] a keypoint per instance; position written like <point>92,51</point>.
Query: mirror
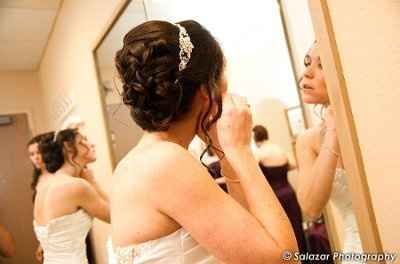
<point>264,62</point>
<point>338,208</point>
<point>267,61</point>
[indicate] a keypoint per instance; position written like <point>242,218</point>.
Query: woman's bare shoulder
<point>310,138</point>
<point>173,157</point>
<point>67,186</point>
<point>155,164</point>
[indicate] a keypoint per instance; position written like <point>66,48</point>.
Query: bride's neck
<point>181,133</point>
<point>177,137</point>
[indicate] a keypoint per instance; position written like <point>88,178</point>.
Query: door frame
<point>30,118</point>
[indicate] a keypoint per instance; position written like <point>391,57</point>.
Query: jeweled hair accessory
<point>185,47</point>
<point>72,122</point>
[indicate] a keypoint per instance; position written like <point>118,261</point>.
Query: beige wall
<point>300,29</point>
<point>367,34</point>
<point>20,93</point>
<point>301,36</point>
<point>68,69</point>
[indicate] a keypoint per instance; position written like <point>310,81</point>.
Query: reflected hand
<point>87,174</point>
<point>39,254</point>
<point>330,122</point>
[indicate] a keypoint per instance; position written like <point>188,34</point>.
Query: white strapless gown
<point>340,197</point>
<point>63,238</point>
<point>176,248</point>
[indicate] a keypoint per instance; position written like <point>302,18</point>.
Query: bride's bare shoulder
<point>157,161</point>
<point>170,155</point>
<point>310,138</point>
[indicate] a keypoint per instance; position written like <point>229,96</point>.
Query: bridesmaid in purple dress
<point>275,165</point>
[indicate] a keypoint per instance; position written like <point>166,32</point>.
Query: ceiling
<point>25,26</point>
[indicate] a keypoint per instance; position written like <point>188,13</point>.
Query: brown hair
<point>53,152</point>
<point>37,172</point>
<point>260,133</point>
<point>156,92</point>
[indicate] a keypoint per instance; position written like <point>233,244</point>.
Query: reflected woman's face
<point>35,156</point>
<point>312,84</point>
<point>85,149</point>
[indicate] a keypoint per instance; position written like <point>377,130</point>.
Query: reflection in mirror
<point>323,184</point>
<point>260,66</point>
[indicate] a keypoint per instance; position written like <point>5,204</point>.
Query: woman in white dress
<point>67,200</point>
<point>39,173</point>
<point>321,173</point>
<point>165,206</point>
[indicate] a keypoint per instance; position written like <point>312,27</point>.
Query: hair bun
<point>154,88</point>
<point>149,76</point>
<point>52,154</point>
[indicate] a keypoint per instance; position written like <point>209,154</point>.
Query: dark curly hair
<point>37,172</point>
<point>260,133</point>
<point>156,92</point>
<point>53,150</point>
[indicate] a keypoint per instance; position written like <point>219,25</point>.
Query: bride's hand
<point>232,131</point>
<point>330,119</point>
<point>39,254</point>
<point>87,174</point>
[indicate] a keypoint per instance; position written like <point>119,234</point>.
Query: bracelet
<point>227,179</point>
<point>332,151</point>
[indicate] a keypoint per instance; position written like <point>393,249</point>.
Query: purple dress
<point>277,178</point>
<point>317,241</point>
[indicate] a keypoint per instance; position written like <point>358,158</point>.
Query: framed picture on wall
<point>296,121</point>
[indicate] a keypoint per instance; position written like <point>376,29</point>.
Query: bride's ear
<point>206,99</point>
<point>203,93</point>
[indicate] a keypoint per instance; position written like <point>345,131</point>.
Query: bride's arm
<point>233,234</point>
<point>88,198</point>
<point>87,174</point>
<point>232,182</point>
<point>316,172</point>
<point>189,195</point>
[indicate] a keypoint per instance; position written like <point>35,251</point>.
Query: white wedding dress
<point>63,238</point>
<point>340,197</point>
<point>176,248</point>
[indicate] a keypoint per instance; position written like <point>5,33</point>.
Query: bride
<point>321,172</point>
<point>165,207</point>
<point>68,199</point>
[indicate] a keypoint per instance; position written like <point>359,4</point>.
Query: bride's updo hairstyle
<point>58,144</point>
<point>159,84</point>
<point>53,150</point>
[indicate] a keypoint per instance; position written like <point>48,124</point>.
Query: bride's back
<point>136,180</point>
<point>55,198</point>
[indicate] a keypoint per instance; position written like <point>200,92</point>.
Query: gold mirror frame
<point>109,26</point>
<point>348,140</point>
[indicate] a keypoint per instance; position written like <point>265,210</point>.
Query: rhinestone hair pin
<point>185,47</point>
